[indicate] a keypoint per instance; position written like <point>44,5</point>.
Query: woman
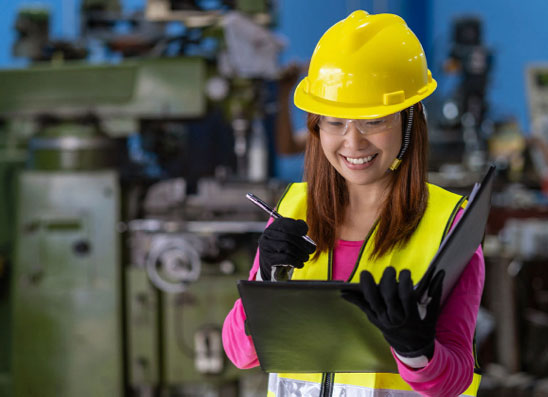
<point>375,219</point>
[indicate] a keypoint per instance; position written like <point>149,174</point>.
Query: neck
<point>363,210</point>
<point>369,198</point>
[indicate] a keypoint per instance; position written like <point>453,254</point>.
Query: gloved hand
<point>282,244</point>
<point>393,307</point>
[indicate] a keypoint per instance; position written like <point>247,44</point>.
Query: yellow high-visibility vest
<point>416,255</point>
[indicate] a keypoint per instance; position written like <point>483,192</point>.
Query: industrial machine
<point>125,225</point>
<point>471,59</point>
<point>462,127</point>
<point>537,89</point>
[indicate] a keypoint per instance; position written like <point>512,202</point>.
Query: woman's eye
<point>375,122</point>
<point>335,123</point>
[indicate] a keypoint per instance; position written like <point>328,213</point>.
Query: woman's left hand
<point>393,306</point>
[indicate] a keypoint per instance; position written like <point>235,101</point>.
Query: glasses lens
<point>336,126</point>
<point>333,125</point>
<point>375,126</point>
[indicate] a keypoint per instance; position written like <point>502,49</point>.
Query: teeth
<point>360,160</point>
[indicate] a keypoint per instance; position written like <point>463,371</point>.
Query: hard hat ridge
<point>360,27</point>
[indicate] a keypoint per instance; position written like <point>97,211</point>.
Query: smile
<point>360,160</point>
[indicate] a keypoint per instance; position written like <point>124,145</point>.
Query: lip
<point>359,166</point>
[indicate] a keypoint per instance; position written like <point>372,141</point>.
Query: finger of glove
<point>407,294</point>
<point>371,294</point>
<point>266,272</point>
<point>294,227</point>
<point>355,298</point>
<point>388,288</point>
<point>278,244</point>
<point>297,241</point>
<point>269,248</point>
<point>435,292</point>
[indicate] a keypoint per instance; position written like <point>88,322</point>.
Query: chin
<point>365,179</point>
<point>360,180</point>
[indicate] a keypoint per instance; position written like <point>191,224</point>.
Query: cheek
<point>326,144</point>
<point>391,141</point>
<point>329,149</point>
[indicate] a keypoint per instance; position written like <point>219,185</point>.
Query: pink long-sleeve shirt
<point>449,371</point>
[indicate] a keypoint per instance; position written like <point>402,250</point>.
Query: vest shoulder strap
<point>292,204</point>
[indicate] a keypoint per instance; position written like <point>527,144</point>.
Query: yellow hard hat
<point>365,66</point>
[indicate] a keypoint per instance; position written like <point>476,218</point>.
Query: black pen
<point>261,204</point>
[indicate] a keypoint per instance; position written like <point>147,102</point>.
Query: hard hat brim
<point>313,104</point>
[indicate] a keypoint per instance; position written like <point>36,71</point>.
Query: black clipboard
<point>306,326</point>
<point>463,239</point>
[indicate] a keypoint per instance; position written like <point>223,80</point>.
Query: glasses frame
<point>360,124</point>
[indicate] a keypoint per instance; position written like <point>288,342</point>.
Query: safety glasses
<point>336,126</point>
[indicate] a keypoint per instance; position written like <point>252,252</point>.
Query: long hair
<point>402,209</point>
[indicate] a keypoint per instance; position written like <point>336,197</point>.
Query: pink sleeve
<point>450,370</point>
<point>237,344</point>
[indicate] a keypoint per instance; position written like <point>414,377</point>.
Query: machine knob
<point>81,247</point>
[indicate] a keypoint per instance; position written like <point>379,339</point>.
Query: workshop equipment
<point>127,248</point>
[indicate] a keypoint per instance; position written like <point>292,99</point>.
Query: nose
<point>355,139</point>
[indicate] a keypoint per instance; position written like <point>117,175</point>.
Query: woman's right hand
<point>282,243</point>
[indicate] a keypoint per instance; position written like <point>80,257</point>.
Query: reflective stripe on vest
<point>415,255</point>
<point>349,385</point>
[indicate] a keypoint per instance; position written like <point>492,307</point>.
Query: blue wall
<point>516,31</point>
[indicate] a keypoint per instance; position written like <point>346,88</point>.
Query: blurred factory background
<point>130,131</point>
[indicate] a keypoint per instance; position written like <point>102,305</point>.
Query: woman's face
<point>362,159</point>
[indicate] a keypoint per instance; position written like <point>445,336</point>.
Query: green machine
<point>66,285</point>
<point>12,159</point>
<point>113,285</point>
<point>66,275</point>
<point>104,303</point>
<point>184,354</point>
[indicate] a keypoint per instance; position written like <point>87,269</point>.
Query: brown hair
<point>403,208</point>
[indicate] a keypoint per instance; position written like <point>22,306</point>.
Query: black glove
<point>393,307</point>
<point>282,243</point>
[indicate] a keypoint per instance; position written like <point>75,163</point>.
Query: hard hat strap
<point>406,139</point>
